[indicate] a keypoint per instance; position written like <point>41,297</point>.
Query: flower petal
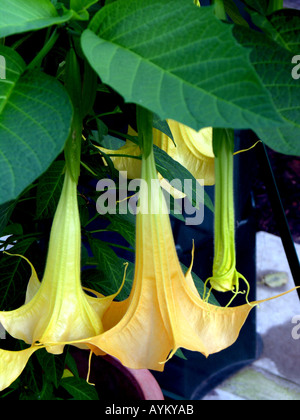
<point>122,163</point>
<point>12,364</point>
<point>193,149</point>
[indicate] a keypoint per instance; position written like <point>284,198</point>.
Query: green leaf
<point>163,126</point>
<point>35,120</point>
<point>52,365</point>
<point>79,389</point>
<point>124,224</point>
<point>273,65</point>
<point>5,213</point>
<point>19,16</point>
<point>71,364</point>
<point>260,6</point>
<point>178,61</point>
<point>171,170</point>
<point>108,278</point>
<point>15,274</point>
<point>283,27</point>
<point>233,12</point>
<point>79,5</point>
<point>49,189</point>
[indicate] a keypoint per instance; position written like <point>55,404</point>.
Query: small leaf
<point>15,275</point>
<point>79,5</point>
<point>49,189</point>
<point>124,224</point>
<point>79,389</point>
<point>107,279</point>
<point>260,6</point>
<point>171,170</point>
<point>5,213</point>
<point>53,366</point>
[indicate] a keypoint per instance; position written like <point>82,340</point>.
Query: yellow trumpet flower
<point>57,309</point>
<point>164,311</point>
<point>192,149</point>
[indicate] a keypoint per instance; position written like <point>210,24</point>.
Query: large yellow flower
<point>164,310</point>
<point>192,149</point>
<point>57,309</point>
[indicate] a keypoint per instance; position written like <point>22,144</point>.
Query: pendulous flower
<point>57,309</point>
<point>164,311</point>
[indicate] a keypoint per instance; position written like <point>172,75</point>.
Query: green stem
<point>220,9</point>
<point>275,5</point>
<point>98,231</point>
<point>37,61</point>
<point>145,130</point>
<point>73,85</point>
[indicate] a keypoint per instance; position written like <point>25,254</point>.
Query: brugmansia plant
<point>154,89</point>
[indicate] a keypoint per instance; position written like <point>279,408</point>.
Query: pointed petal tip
<point>12,364</point>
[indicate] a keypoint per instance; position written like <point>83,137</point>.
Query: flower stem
<point>73,85</point>
<point>145,127</point>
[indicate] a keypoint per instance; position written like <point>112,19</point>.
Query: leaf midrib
<point>183,81</point>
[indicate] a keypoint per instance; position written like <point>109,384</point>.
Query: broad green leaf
<point>49,189</point>
<point>273,64</point>
<point>35,120</point>
<point>79,389</point>
<point>19,16</point>
<point>178,61</point>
